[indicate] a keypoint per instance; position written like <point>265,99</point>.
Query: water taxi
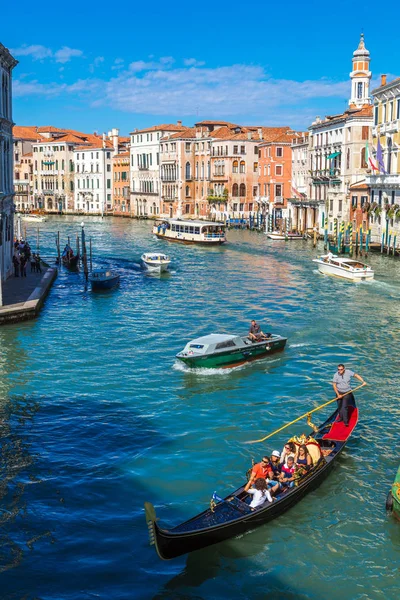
<point>232,516</point>
<point>207,233</point>
<point>393,499</point>
<point>223,351</point>
<point>103,279</point>
<point>330,264</point>
<point>156,262</point>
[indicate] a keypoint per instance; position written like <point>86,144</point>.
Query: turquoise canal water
<point>97,418</point>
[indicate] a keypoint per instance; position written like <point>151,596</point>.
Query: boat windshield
<point>196,346</point>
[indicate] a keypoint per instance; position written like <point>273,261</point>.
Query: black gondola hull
<point>170,545</point>
<point>233,517</point>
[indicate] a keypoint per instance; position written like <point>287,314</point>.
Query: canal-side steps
<point>24,297</point>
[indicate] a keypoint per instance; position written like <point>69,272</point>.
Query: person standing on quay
<point>345,398</point>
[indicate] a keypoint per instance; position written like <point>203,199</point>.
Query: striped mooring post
<point>351,238</point>
<point>326,233</point>
<point>335,232</point>
<point>342,237</point>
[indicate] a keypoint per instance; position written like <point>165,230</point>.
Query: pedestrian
<point>37,260</point>
<point>33,263</point>
<point>345,398</point>
<point>15,260</point>
<point>23,265</point>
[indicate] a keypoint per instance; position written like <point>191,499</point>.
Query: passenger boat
<point>32,217</point>
<point>330,264</point>
<point>279,235</point>
<point>156,262</point>
<point>207,233</point>
<point>221,350</point>
<point>232,515</point>
<point>103,279</point>
<point>393,499</point>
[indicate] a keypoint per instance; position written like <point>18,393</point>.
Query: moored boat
<point>207,233</point>
<point>223,350</point>
<point>156,262</point>
<point>279,235</point>
<point>70,261</point>
<point>103,279</point>
<point>32,217</point>
<point>232,515</point>
<point>330,264</point>
<point>393,499</point>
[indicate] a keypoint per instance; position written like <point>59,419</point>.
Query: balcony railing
<point>168,177</point>
<point>384,180</point>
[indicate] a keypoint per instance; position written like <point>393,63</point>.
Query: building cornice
<point>7,58</point>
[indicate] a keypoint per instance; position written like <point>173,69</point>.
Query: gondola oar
<point>303,416</point>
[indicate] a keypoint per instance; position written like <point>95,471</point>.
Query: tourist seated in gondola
<point>263,470</point>
<point>255,333</point>
<point>289,449</point>
<point>275,462</point>
<point>259,492</point>
<point>287,476</point>
<point>303,460</point>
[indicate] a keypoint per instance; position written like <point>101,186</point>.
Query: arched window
<point>187,171</point>
<point>242,166</point>
<point>187,190</point>
<point>235,166</point>
<point>235,190</point>
<point>202,170</point>
<point>197,170</point>
<point>242,191</point>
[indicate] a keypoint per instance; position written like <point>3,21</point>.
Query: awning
<point>333,155</point>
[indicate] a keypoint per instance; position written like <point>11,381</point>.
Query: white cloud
<point>96,63</point>
<point>65,54</point>
<point>193,62</point>
<point>38,52</point>
<point>242,93</point>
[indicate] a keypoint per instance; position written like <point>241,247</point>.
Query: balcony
<point>389,181</point>
<point>49,173</point>
<point>169,177</point>
<point>168,199</point>
<point>262,199</point>
<point>279,200</point>
<point>146,168</point>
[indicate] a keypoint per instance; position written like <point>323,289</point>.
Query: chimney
<point>259,133</point>
<point>104,140</point>
<point>115,139</point>
<point>383,80</point>
<point>179,123</point>
<point>249,135</point>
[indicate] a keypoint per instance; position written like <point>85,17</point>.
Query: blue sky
<point>92,66</point>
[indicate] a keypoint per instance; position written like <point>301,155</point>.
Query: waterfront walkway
<point>24,296</point>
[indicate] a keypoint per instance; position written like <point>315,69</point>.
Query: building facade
<point>23,139</point>
<point>384,179</point>
<point>338,146</point>
<point>121,200</point>
<point>7,64</point>
<point>93,177</point>
<point>145,175</point>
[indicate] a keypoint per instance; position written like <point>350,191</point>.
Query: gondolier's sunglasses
<point>340,369</point>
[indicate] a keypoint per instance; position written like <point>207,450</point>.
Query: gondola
<point>71,262</point>
<point>233,516</point>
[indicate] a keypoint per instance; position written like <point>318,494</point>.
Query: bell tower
<point>360,76</point>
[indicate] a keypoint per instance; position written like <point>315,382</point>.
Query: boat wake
<point>204,372</point>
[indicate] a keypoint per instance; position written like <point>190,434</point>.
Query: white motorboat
<point>330,264</point>
<point>278,235</point>
<point>32,217</point>
<point>154,261</point>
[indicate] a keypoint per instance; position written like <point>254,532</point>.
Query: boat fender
<point>268,347</point>
<point>389,501</point>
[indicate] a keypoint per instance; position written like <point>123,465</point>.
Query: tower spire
<point>360,75</point>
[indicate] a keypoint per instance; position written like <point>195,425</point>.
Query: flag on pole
<point>379,158</point>
<point>368,158</point>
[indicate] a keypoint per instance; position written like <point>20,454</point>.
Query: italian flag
<point>368,159</point>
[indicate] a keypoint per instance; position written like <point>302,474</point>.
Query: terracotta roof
<point>364,111</point>
<point>163,127</point>
<point>359,185</point>
<point>186,133</point>
<point>215,123</point>
<point>121,155</point>
<point>26,132</point>
<point>27,155</point>
<point>94,145</point>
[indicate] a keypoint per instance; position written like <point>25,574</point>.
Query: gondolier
<point>342,387</point>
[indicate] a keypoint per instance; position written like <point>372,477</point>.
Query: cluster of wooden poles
<point>83,257</point>
<point>343,238</point>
